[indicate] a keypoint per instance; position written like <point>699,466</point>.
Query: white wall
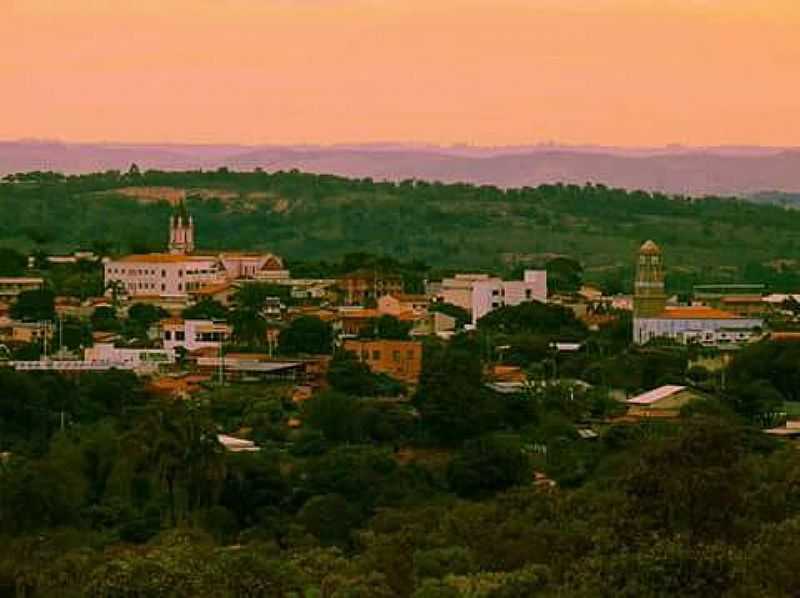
<point>190,335</point>
<point>493,293</point>
<point>135,358</point>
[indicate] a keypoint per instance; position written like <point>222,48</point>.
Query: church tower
<point>181,231</point>
<point>649,299</point>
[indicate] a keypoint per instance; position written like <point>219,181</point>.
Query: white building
<point>492,293</point>
<point>654,319</point>
<point>124,358</point>
<point>697,324</point>
<point>176,274</point>
<point>458,289</point>
<point>193,334</point>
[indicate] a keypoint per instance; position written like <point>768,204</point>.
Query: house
<point>237,445</point>
<point>222,292</point>
<point>11,287</point>
<point>399,359</point>
<point>790,430</point>
<point>355,322</point>
<point>458,289</point>
<point>364,286</point>
<point>401,303</point>
<point>138,359</point>
<point>193,334</point>
<point>662,402</point>
<point>434,324</point>
<point>493,293</point>
<point>12,331</point>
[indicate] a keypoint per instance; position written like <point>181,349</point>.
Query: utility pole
<point>43,328</point>
<point>221,363</point>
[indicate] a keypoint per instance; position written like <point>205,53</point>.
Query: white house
<point>458,289</point>
<point>193,334</point>
<point>492,293</point>
<point>138,359</point>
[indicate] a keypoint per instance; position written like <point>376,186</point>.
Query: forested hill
<point>312,217</point>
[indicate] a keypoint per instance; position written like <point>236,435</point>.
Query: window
<point>168,335</point>
<point>180,335</point>
<point>528,294</point>
<point>409,355</point>
<point>365,355</point>
<point>396,355</point>
<point>180,273</point>
<point>163,274</point>
<point>180,287</point>
<point>376,356</point>
<point>163,287</point>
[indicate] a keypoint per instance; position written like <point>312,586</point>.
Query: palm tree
<point>178,443</point>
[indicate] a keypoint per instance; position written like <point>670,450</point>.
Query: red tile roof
<point>697,312</point>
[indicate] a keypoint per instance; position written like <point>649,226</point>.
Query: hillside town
<point>235,397</point>
<point>194,332</point>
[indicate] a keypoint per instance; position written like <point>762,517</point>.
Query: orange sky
<point>487,72</point>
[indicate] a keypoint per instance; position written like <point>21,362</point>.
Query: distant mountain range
<point>742,171</point>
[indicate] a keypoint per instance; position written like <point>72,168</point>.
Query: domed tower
<point>649,298</point>
<point>181,231</point>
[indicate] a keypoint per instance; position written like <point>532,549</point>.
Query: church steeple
<point>181,230</point>
<point>649,298</point>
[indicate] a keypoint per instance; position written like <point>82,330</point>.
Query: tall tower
<point>181,231</point>
<point>649,298</point>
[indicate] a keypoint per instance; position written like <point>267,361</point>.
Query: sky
<point>480,72</point>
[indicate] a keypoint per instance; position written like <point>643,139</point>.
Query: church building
<point>701,324</point>
<point>179,272</point>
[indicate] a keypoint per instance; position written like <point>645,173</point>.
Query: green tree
<point>105,319</point>
<point>450,397</point>
<point>487,465</point>
<point>141,316</point>
<point>306,334</point>
<point>534,318</point>
<point>336,415</point>
<point>564,275</point>
<point>178,442</point>
<point>389,327</point>
<point>34,306</point>
<point>12,263</point>
<point>206,309</point>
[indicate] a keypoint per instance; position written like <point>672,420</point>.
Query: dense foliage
<point>309,218</point>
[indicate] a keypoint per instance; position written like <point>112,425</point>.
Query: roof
<point>154,258</point>
<point>742,299</point>
<point>364,314</point>
<point>655,395</point>
<point>20,280</point>
<point>785,336</point>
<point>791,428</point>
<point>696,312</point>
<point>650,248</point>
<point>410,297</point>
<point>409,316</point>
<point>236,444</point>
<point>172,322</point>
<point>213,289</point>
